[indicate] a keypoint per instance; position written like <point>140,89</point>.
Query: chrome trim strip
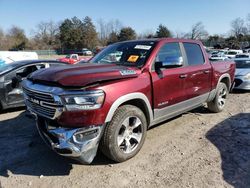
<point>179,108</point>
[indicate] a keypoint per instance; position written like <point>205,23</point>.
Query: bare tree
<point>106,28</point>
<point>248,23</point>
<point>238,27</point>
<point>198,32</point>
<point>46,34</point>
<point>16,38</point>
<point>146,34</point>
<point>180,34</point>
<point>1,39</point>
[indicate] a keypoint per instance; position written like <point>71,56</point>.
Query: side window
<point>194,54</point>
<point>26,71</point>
<point>169,51</point>
<point>74,57</point>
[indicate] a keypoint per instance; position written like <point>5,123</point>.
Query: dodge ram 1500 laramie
<point>110,102</point>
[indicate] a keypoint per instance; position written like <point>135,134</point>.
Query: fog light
<point>81,136</point>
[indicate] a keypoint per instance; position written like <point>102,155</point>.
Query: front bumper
<point>241,83</point>
<point>77,143</point>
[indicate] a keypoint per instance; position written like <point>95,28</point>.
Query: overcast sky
<point>142,15</point>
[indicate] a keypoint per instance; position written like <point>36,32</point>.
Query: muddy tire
<point>218,103</point>
<point>125,134</point>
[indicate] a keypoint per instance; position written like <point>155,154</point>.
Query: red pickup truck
<point>125,89</point>
<point>73,58</point>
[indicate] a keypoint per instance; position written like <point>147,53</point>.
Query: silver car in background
<point>242,74</point>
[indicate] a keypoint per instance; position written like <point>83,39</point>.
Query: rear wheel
<point>218,104</point>
<point>125,134</point>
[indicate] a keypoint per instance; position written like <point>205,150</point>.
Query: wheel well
<point>139,103</point>
<point>226,81</point>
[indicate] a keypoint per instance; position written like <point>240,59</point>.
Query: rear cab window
<point>194,54</point>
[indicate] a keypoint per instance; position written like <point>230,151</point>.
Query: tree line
<point>75,33</point>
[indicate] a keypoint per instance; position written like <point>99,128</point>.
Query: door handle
<point>206,71</point>
<point>183,76</point>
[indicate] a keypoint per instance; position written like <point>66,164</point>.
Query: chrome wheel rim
<point>222,98</point>
<point>130,134</point>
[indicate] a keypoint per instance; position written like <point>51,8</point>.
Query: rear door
<point>198,76</point>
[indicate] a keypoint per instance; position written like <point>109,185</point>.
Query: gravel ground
<point>197,149</point>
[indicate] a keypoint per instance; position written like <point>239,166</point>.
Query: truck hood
<point>83,75</point>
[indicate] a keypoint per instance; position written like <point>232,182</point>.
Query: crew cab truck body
<point>126,88</point>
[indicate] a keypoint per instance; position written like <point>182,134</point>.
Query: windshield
<point>232,53</point>
<point>6,67</point>
<point>242,64</point>
<point>67,56</point>
<point>131,53</point>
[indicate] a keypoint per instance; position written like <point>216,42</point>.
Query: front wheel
<point>218,103</point>
<point>125,134</point>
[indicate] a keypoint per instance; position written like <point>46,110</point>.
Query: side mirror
<point>170,62</point>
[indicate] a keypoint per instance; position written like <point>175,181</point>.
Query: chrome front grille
<point>42,103</point>
<point>39,96</point>
<point>44,111</point>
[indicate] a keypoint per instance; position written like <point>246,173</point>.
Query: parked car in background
<point>233,53</point>
<point>244,55</point>
<point>125,89</point>
<point>73,58</point>
<point>220,56</point>
<point>242,74</point>
<point>247,50</point>
<point>11,93</point>
<point>86,52</point>
<point>11,56</point>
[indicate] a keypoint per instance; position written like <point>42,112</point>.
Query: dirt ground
<point>197,149</point>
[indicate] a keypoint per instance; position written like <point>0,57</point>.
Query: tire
<point>124,136</point>
<point>218,103</point>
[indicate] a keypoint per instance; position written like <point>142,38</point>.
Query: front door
<point>12,82</point>
<point>168,84</point>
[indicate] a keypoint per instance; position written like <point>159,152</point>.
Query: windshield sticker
<point>127,72</point>
<point>133,58</point>
<point>143,47</point>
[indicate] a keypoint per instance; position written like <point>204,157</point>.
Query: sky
<point>142,15</point>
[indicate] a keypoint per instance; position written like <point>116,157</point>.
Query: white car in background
<point>218,56</point>
<point>242,74</point>
<point>7,57</point>
<point>232,53</point>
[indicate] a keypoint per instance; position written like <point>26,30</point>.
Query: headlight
<point>85,101</point>
<point>247,76</point>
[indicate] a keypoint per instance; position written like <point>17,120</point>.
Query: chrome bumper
<point>75,143</point>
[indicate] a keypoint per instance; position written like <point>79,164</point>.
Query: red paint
<point>70,60</point>
<point>161,92</point>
